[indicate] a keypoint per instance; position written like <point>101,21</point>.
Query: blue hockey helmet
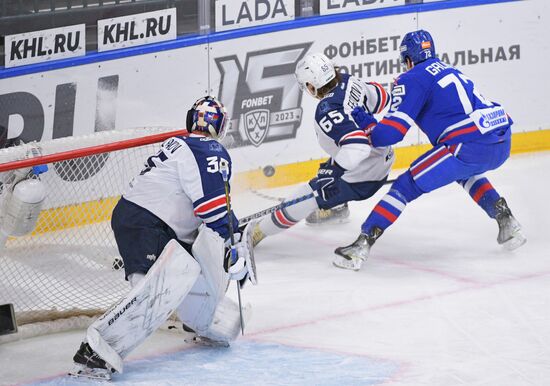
<point>418,46</point>
<point>208,115</point>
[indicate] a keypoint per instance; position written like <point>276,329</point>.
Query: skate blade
<point>515,242</point>
<point>82,371</point>
<point>206,342</point>
<point>351,264</point>
<point>330,222</point>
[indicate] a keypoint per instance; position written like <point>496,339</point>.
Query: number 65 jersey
<point>343,140</point>
<point>182,185</point>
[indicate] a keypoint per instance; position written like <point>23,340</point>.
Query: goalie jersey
<point>182,185</point>
<point>342,139</point>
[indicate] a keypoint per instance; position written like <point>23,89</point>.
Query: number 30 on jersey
<point>214,164</point>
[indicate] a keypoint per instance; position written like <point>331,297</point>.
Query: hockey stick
<point>224,170</point>
<point>286,204</point>
<point>282,205</point>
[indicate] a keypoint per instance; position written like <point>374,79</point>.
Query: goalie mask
<point>208,116</point>
<point>314,72</point>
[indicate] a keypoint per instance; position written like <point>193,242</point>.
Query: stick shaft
<point>232,239</point>
<point>265,212</point>
<point>286,204</point>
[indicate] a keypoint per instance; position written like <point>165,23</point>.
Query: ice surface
<point>249,363</point>
<point>437,303</point>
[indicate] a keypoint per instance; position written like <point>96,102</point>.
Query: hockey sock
<point>482,192</point>
<point>287,217</point>
<point>384,214</point>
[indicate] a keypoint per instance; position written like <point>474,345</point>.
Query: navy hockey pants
<point>140,236</point>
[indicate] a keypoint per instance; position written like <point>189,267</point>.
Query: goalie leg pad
<point>145,307</point>
<point>198,309</point>
<point>226,324</point>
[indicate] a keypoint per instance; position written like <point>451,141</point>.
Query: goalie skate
<point>83,371</point>
<point>88,364</point>
<point>207,342</point>
<point>201,340</point>
<point>509,229</point>
<point>337,215</point>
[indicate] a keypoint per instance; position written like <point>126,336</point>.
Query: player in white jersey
<point>172,230</point>
<point>355,170</point>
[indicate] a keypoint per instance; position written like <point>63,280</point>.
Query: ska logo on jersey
<point>398,90</point>
<point>262,97</point>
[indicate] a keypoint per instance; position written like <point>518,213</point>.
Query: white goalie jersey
<point>182,186</point>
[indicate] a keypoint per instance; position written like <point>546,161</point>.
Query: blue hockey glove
<point>327,177</point>
<point>363,119</point>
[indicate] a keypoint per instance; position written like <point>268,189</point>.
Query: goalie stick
<point>224,170</point>
<point>282,205</point>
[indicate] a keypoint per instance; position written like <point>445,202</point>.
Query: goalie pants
<point>140,236</point>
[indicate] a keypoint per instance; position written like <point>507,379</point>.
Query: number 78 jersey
<point>182,185</point>
<point>443,103</point>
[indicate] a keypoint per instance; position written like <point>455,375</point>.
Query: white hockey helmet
<point>314,72</point>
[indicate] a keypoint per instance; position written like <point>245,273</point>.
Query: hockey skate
<point>337,215</point>
<point>352,256</point>
<point>88,364</point>
<point>257,235</point>
<point>509,229</point>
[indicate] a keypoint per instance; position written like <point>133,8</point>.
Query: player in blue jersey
<point>470,136</point>
<point>172,230</point>
<point>355,170</point>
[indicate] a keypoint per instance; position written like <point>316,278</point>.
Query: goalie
<point>172,231</point>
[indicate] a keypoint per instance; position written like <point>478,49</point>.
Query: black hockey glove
<point>327,177</point>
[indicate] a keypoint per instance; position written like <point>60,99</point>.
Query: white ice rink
<point>437,303</point>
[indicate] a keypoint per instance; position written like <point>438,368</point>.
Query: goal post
<point>65,263</point>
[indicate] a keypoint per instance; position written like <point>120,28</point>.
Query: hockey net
<point>68,266</point>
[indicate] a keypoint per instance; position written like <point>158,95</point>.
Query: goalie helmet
<point>314,72</point>
<point>418,46</point>
<point>208,115</point>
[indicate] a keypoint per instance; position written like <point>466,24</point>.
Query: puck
<point>269,171</point>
